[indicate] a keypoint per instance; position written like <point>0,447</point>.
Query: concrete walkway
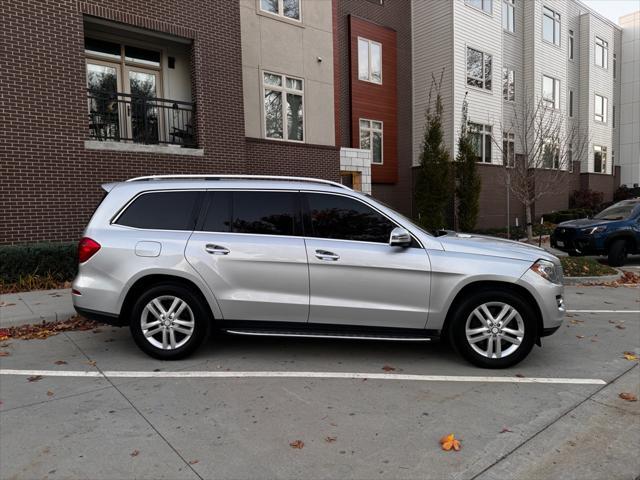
<point>34,307</point>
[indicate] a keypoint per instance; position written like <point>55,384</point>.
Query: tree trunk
<point>527,209</point>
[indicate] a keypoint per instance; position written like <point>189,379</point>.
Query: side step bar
<point>329,334</point>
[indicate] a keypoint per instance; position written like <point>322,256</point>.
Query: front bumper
<point>571,240</point>
<point>550,299</point>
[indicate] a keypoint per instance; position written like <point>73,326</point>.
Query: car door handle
<point>216,249</point>
<point>326,255</point>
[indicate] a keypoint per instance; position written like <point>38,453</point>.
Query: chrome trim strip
<point>342,337</point>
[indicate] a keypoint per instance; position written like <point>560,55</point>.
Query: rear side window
<point>258,213</point>
<point>343,218</point>
<point>161,211</point>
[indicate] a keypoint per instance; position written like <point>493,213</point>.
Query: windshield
<point>619,211</point>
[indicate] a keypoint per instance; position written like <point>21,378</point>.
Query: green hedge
<point>56,259</point>
<point>564,215</point>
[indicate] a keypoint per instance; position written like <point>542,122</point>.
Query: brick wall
<point>49,182</point>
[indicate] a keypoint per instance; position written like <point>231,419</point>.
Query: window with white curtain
<point>600,108</point>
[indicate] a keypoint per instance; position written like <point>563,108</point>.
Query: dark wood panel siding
<point>376,101</point>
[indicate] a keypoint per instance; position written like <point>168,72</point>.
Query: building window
<point>508,84</point>
<point>571,103</point>
<point>600,108</point>
<point>283,107</point>
<point>599,159</point>
<point>551,92</point>
<point>508,15</point>
<point>551,155</point>
<point>615,63</point>
<point>369,61</point>
<point>602,53</point>
<point>283,8</point>
<point>371,139</point>
<point>481,140</point>
<point>550,26</point>
<point>508,149</point>
<point>478,69</point>
<point>570,44</point>
<point>484,5</point>
<point>613,116</point>
<point>570,157</point>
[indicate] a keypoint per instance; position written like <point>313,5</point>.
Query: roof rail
<point>237,177</point>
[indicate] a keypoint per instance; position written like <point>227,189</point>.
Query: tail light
<point>87,248</point>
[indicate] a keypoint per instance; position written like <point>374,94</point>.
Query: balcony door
<point>142,112</point>
<point>106,114</point>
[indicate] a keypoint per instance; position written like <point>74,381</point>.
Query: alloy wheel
<point>494,329</point>
<point>167,322</point>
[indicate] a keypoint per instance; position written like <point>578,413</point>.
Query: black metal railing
<point>122,117</point>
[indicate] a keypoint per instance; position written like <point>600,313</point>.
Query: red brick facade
<point>49,181</point>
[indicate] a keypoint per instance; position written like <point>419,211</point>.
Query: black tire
<point>197,310</point>
<point>617,254</point>
<point>457,328</point>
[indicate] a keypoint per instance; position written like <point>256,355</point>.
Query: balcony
<point>141,119</point>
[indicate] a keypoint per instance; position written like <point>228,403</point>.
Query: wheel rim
<point>167,322</point>
<point>494,330</point>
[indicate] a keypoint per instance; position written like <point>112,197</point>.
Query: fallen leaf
<point>506,430</point>
<point>50,393</point>
<point>4,354</point>
<point>297,444</point>
<point>92,363</point>
<point>388,368</point>
<point>60,362</point>
<point>97,330</point>
<point>629,397</point>
<point>135,453</point>
<point>630,356</point>
<point>35,378</point>
<point>519,375</point>
<point>613,321</point>
<point>449,442</point>
<point>330,439</point>
<point>193,462</point>
<point>620,326</point>
<point>579,336</point>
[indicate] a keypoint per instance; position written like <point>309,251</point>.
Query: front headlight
<point>594,230</point>
<point>548,271</point>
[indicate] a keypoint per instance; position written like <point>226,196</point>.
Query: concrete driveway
<point>110,412</point>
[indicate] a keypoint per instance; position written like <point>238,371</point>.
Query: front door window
<point>142,112</point>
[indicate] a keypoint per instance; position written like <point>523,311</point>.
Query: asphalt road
<point>556,415</point>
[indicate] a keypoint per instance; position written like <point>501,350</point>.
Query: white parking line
<point>335,375</point>
<point>604,311</point>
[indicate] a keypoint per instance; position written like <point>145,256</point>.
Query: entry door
<point>356,278</point>
<point>143,115</point>
<point>248,253</point>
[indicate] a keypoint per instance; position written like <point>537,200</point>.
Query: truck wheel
<point>618,253</point>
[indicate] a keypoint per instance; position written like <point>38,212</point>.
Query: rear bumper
<point>102,317</point>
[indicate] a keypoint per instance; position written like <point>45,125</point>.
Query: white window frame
<point>604,108</point>
<point>570,100</point>
<point>603,164</point>
<point>555,102</point>
<point>601,53</point>
<point>369,43</point>
<point>509,13</point>
<point>557,19</point>
<point>571,45</point>
<point>284,90</point>
<point>483,131</point>
<point>484,79</point>
<point>482,9</point>
<point>280,13</point>
<point>508,149</point>
<point>505,82</point>
<point>371,131</point>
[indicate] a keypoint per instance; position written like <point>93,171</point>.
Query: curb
<point>599,279</point>
<point>35,319</point>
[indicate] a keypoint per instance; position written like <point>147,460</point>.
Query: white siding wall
<point>629,117</point>
<point>432,31</point>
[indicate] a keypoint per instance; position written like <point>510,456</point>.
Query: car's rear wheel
<point>169,322</point>
<point>617,255</point>
<point>494,329</point>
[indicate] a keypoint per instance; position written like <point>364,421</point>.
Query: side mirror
<point>400,237</point>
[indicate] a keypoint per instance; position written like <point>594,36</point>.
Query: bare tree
<point>546,143</point>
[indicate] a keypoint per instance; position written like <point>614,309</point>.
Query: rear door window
<point>162,211</point>
<point>253,212</point>
<point>343,218</point>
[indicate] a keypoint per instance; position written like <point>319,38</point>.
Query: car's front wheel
<point>617,255</point>
<point>169,321</point>
<point>494,329</point>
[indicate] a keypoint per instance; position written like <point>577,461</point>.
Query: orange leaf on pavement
<point>629,397</point>
<point>296,444</point>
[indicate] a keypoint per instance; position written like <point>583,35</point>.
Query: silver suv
<point>174,257</point>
